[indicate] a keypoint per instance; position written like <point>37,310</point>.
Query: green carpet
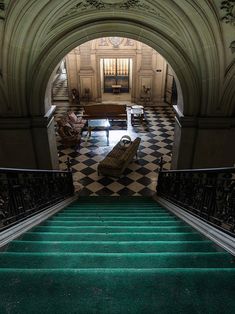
<point>104,255</point>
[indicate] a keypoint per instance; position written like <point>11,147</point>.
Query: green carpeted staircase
<point>106,255</point>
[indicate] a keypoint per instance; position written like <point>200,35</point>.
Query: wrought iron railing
<point>206,193</point>
<point>24,193</point>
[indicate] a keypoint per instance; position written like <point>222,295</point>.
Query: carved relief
<point>103,42</point>
<point>84,5</point>
<point>129,42</point>
<point>116,41</point>
<point>232,46</point>
<point>229,7</point>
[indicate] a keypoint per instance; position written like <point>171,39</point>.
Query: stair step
<point>115,255</point>
<point>112,247</point>
<point>96,223</point>
<point>118,291</point>
<point>113,206</point>
<point>145,215</point>
<point>119,218</point>
<point>113,211</point>
<point>104,229</point>
<point>115,260</point>
<point>131,236</point>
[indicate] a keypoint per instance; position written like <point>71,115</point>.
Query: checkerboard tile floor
<point>140,178</point>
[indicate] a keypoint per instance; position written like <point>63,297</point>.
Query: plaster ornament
<point>2,10</point>
<point>232,46</point>
<point>116,41</point>
<point>90,5</point>
<point>109,4</point>
<point>113,1</point>
<point>229,7</point>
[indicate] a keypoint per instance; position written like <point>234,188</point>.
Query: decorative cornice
<point>229,7</point>
<point>86,5</point>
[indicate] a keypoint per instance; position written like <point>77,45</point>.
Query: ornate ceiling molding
<point>229,7</point>
<point>86,5</point>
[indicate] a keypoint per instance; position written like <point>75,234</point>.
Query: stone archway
<point>187,82</point>
<point>186,78</point>
<point>189,35</point>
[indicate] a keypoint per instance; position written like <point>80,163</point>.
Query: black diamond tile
<point>88,171</point>
<point>126,192</point>
<point>125,181</point>
<point>105,191</point>
<point>154,147</point>
<point>144,180</point>
<point>86,181</point>
<point>143,162</point>
<point>74,154</point>
<point>164,135</point>
<point>105,181</point>
<point>167,141</point>
<point>89,162</point>
<point>152,140</point>
<point>168,147</point>
<point>163,130</point>
<point>143,171</point>
<point>91,153</point>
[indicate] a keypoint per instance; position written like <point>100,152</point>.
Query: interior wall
<point>148,67</point>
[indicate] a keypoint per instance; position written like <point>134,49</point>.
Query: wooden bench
<point>105,111</point>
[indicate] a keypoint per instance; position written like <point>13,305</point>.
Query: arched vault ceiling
<point>188,33</point>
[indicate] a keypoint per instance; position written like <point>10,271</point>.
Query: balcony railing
<point>206,193</point>
<point>24,193</point>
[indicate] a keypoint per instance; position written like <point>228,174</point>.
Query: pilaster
<point>203,142</point>
<point>28,142</point>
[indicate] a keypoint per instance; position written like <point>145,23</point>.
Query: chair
<point>77,123</point>
<point>69,138</point>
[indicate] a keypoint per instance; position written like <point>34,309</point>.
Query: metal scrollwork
<point>26,192</point>
<point>208,194</point>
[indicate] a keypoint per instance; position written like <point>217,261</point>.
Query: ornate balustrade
<point>206,193</point>
<point>24,193</point>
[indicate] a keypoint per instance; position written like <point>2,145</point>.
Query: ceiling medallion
<point>229,7</point>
